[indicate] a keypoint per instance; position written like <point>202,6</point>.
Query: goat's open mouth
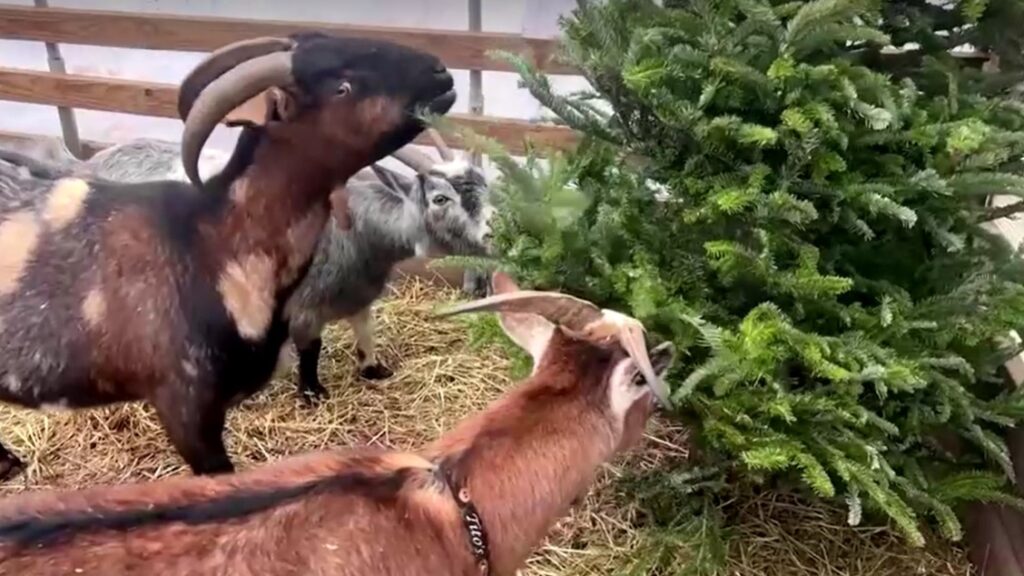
<point>443,103</point>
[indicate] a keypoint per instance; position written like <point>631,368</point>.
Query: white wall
<point>502,97</point>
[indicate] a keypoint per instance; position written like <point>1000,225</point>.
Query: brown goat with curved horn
<point>174,293</point>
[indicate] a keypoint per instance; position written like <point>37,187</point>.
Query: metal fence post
<point>476,89</point>
<point>68,126</point>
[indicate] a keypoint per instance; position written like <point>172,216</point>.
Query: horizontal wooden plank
<point>153,99</point>
<point>19,140</point>
<point>459,49</point>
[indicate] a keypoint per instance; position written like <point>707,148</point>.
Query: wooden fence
<point>458,49</point>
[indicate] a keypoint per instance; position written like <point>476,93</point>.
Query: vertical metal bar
<point>476,89</point>
<point>68,125</point>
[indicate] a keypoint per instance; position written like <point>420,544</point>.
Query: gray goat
<point>138,160</point>
<point>444,209</point>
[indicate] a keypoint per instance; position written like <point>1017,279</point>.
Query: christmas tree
<point>802,210</point>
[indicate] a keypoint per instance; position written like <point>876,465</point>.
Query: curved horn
<point>223,95</point>
<point>631,337</point>
<point>582,318</point>
<point>569,311</point>
<point>414,159</point>
<point>220,61</point>
<point>442,147</point>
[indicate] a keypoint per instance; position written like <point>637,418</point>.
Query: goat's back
<point>354,512</point>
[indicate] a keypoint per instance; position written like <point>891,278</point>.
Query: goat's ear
<point>262,108</point>
<point>530,332</point>
<point>394,180</point>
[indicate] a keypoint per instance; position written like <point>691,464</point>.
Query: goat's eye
<point>344,89</point>
<point>440,200</point>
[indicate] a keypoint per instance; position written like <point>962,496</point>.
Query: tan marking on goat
<point>66,201</point>
<point>240,191</point>
<point>247,288</point>
<point>19,236</point>
<point>302,237</point>
<point>340,210</point>
<point>94,307</point>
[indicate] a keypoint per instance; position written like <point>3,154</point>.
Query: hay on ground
<point>438,380</point>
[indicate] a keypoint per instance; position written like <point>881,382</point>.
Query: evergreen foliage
<point>806,221</point>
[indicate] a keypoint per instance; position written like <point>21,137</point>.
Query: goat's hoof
<point>375,372</point>
<point>312,395</point>
<point>10,467</point>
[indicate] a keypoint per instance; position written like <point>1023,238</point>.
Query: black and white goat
<point>174,293</point>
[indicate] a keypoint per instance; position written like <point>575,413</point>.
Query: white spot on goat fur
<point>12,383</point>
<point>240,191</point>
<point>65,202</point>
<point>286,360</point>
<point>623,392</point>
<point>247,289</point>
<point>190,368</point>
<point>19,236</point>
<point>61,405</point>
<point>94,307</point>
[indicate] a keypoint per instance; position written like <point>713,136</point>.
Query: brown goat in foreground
<point>174,293</point>
<point>521,463</point>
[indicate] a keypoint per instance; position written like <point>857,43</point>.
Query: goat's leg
<point>307,346</point>
<point>476,284</point>
<point>366,351</point>
<point>195,426</point>
<point>10,465</point>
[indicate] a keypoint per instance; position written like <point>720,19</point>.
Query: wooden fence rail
<point>459,49</point>
<point>155,99</point>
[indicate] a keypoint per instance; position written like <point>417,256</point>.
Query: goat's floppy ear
<point>262,108</point>
<point>394,180</point>
<point>531,332</point>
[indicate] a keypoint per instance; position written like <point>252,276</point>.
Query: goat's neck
<point>524,464</point>
<point>277,204</point>
<point>393,224</point>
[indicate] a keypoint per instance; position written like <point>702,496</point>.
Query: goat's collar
<point>472,521</point>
